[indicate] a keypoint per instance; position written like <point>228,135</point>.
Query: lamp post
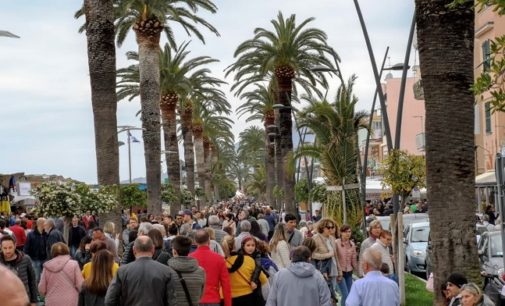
<point>127,129</point>
<point>7,34</point>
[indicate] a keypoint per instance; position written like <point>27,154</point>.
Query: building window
<point>486,55</point>
<point>488,117</point>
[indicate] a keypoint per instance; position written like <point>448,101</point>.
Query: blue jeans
<point>37,267</point>
<point>344,286</point>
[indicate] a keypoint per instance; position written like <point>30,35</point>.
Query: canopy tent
<point>485,179</point>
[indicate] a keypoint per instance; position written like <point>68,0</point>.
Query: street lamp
<point>8,34</point>
<point>127,129</point>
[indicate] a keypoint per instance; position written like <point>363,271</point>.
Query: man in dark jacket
<point>75,235</point>
<point>35,247</point>
<point>53,236</point>
<point>191,277</point>
<point>144,281</point>
<point>21,265</point>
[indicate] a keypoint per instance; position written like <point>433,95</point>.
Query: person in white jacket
<point>279,247</point>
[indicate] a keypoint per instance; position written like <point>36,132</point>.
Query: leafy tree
<point>302,191</point>
<point>131,196</point>
<point>404,172</point>
<point>169,195</point>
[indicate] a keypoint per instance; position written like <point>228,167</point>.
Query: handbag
<point>429,283</point>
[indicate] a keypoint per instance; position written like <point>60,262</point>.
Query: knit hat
<point>457,279</point>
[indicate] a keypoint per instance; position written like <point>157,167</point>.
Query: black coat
<point>142,282</point>
<point>87,298</point>
<point>75,235</point>
<point>22,267</point>
<point>53,237</point>
<point>161,256</point>
<point>35,245</point>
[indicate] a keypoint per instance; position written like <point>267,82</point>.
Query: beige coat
<point>322,251</point>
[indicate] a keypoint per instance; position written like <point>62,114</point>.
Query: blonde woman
<point>214,246</point>
<point>471,295</point>
<point>279,247</point>
<point>228,245</point>
<point>109,230</point>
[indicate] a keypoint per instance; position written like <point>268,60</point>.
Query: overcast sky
<point>45,106</point>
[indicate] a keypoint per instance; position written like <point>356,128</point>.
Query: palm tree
<point>223,168</point>
<point>256,185</point>
<point>252,146</point>
<point>148,18</point>
<point>287,54</point>
<point>176,82</point>
<point>447,77</point>
<point>259,104</point>
<point>176,78</point>
<point>336,126</point>
<point>102,70</point>
<point>204,90</point>
<point>206,123</point>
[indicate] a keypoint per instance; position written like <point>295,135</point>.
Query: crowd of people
<point>231,254</point>
<point>385,208</point>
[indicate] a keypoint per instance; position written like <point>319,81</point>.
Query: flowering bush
<point>57,200</point>
<point>69,199</point>
<point>102,201</point>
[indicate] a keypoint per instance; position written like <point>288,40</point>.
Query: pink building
<point>412,129</point>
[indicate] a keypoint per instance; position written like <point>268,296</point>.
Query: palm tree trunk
<point>149,58</point>
<point>286,142</point>
<point>102,71</point>
<point>279,169</point>
<point>189,155</point>
<point>200,159</point>
<point>445,40</point>
<point>270,169</point>
<point>172,147</point>
<point>207,166</point>
<point>215,159</point>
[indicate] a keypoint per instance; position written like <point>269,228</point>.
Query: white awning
<point>485,179</point>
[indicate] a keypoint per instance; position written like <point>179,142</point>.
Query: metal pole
<point>367,144</point>
<point>344,208</point>
<point>385,119</point>
<point>129,159</point>
<point>399,115</point>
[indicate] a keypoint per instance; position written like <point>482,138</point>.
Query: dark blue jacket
<point>35,245</point>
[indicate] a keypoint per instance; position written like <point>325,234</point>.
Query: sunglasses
<point>330,227</point>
